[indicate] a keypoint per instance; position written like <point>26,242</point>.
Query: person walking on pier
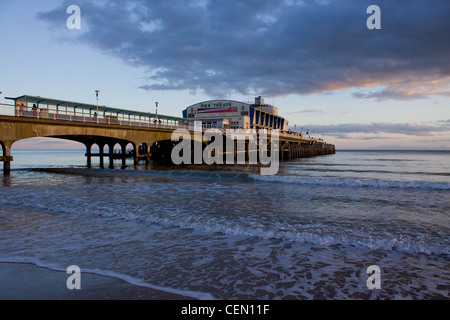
<point>35,110</point>
<point>21,110</point>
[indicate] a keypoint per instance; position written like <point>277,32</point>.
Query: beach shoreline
<point>26,281</point>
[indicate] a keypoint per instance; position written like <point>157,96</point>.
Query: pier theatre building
<point>229,114</point>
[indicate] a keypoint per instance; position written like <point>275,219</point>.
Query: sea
<point>353,225</point>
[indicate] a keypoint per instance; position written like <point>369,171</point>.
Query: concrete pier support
<point>292,151</point>
<point>111,154</point>
<point>148,156</point>
<point>7,165</point>
<point>6,158</point>
<point>123,145</point>
<point>144,152</point>
<point>89,153</point>
<point>101,147</point>
<point>135,157</point>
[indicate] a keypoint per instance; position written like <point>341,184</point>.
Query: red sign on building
<point>217,110</point>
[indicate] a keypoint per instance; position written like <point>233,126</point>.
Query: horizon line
<point>345,149</point>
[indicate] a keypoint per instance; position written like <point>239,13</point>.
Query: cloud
<point>358,136</point>
<point>374,130</point>
<point>410,90</point>
<point>307,111</point>
<point>273,47</point>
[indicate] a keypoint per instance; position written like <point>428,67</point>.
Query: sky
<point>316,60</point>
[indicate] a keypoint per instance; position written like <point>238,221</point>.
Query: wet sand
<point>20,281</point>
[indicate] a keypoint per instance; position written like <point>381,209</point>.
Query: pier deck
<point>134,132</point>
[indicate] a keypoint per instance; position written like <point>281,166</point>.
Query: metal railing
<point>82,116</point>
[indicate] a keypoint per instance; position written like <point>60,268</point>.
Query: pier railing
<point>81,115</point>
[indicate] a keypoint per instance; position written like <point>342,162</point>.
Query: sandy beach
<point>20,281</point>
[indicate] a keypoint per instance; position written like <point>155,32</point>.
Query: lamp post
<point>156,112</point>
<point>96,93</point>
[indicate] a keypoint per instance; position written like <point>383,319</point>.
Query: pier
<point>140,136</point>
<point>302,150</point>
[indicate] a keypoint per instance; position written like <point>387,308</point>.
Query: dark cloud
<point>273,47</point>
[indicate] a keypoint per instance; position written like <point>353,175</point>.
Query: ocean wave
<point>129,279</point>
<point>376,171</point>
<point>348,182</point>
<point>325,232</point>
<point>195,173</point>
<point>318,234</point>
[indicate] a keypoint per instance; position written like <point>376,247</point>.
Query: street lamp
<point>156,112</point>
<point>96,93</point>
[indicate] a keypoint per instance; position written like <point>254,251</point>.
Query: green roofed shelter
<point>56,109</point>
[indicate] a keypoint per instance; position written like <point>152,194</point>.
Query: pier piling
<point>6,158</point>
<point>289,151</point>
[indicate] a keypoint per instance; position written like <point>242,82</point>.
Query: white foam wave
<point>346,182</point>
<point>322,233</point>
<point>129,279</point>
<point>323,237</point>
